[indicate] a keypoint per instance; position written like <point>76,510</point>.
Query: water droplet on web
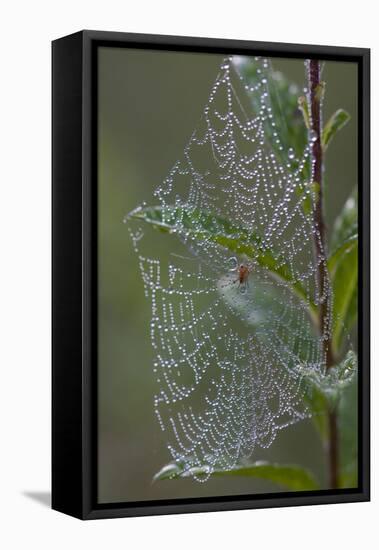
<point>291,153</point>
<point>232,263</point>
<point>312,136</point>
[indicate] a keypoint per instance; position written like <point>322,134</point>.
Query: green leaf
<point>337,255</point>
<point>303,106</point>
<point>343,268</point>
<point>352,310</point>
<point>346,224</point>
<point>290,476</point>
<point>318,404</point>
<point>332,383</point>
<point>169,471</point>
<point>323,391</point>
<point>205,226</point>
<point>334,124</point>
<point>320,91</point>
<point>345,283</point>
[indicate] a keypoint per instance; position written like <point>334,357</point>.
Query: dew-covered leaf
<point>335,380</point>
<point>334,124</point>
<point>304,108</point>
<point>206,226</point>
<point>318,405</point>
<point>343,267</point>
<point>169,471</point>
<point>323,391</point>
<point>290,476</point>
<point>352,310</point>
<point>346,224</point>
<point>345,303</point>
<point>337,255</point>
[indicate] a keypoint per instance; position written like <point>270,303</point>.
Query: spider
<point>243,272</point>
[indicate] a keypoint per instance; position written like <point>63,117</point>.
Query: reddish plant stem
<point>315,99</point>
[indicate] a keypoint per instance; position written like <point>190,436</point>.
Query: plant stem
<point>315,101</point>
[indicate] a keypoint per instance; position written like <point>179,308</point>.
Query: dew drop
<point>232,263</point>
<point>312,136</point>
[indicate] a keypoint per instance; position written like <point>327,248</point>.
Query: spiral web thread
<point>228,352</point>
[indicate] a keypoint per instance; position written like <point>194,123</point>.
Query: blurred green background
<point>149,104</point>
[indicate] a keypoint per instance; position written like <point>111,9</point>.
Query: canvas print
<point>227,275</point>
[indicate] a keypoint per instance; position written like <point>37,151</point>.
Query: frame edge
<point>67,468</point>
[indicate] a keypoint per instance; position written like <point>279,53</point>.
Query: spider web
<point>227,353</point>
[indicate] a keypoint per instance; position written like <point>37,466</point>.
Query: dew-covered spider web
<point>231,325</point>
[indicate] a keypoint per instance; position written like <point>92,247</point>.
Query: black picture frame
<point>74,294</point>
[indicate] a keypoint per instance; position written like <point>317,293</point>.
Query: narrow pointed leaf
<point>345,282</point>
<point>289,476</point>
<point>346,224</point>
<point>343,268</point>
<point>169,471</point>
<point>292,477</point>
<point>334,124</point>
<point>337,255</point>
